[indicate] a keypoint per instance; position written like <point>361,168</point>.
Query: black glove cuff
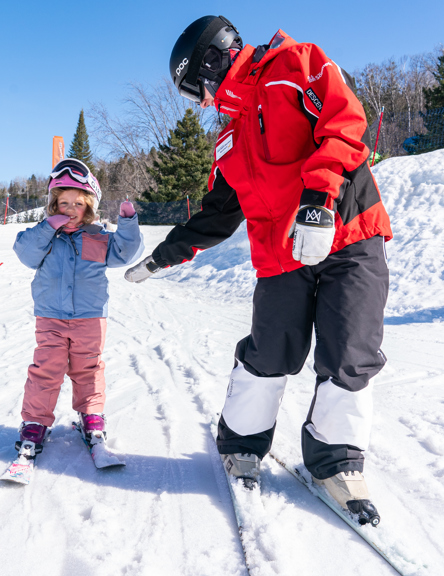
<point>313,197</point>
<point>158,259</point>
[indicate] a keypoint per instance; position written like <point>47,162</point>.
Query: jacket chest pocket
<point>94,248</point>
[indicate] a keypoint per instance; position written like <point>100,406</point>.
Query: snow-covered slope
<point>169,352</point>
<point>413,191</point>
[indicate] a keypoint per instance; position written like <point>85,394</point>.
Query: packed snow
<point>169,353</point>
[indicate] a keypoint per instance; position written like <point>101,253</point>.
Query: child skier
<point>70,253</point>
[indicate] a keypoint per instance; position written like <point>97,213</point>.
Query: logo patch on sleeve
<point>316,101</point>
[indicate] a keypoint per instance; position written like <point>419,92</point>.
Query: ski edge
<point>300,478</point>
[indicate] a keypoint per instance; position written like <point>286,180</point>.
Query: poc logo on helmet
<point>181,66</point>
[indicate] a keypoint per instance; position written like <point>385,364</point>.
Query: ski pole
<point>188,202</point>
<point>6,209</point>
<point>377,135</point>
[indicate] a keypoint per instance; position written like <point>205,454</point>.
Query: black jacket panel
<point>219,218</point>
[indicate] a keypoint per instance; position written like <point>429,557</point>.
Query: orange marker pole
<point>58,150</point>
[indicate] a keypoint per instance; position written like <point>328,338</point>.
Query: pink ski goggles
<point>77,171</point>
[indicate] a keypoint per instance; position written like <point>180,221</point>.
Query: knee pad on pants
<point>252,402</point>
<point>340,416</point>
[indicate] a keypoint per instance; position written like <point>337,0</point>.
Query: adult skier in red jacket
<point>294,162</point>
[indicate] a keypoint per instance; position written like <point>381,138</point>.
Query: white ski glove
<point>313,231</point>
<point>141,271</point>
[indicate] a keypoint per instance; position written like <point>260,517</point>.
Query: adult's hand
<point>313,231</point>
<point>141,271</point>
<point>58,220</point>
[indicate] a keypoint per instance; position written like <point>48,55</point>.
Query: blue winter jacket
<point>71,281</point>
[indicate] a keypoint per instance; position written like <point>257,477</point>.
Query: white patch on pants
<point>342,417</point>
<point>252,402</point>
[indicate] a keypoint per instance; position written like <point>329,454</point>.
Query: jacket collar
<point>92,228</point>
<point>234,94</point>
<point>88,228</point>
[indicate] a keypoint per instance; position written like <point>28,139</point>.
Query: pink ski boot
<point>32,432</point>
<point>93,428</point>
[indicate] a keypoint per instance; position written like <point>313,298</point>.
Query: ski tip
<point>13,480</point>
<point>18,477</point>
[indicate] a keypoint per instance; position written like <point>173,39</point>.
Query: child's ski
<point>20,471</point>
<point>96,443</point>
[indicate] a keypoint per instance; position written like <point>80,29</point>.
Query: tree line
<point>159,150</point>
<point>411,91</point>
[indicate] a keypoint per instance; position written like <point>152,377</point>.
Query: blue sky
<point>58,57</point>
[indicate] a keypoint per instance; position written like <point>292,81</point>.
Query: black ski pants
<point>343,297</point>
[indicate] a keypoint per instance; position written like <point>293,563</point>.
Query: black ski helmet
<point>186,62</point>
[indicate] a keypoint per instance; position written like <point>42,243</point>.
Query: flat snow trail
<point>168,354</point>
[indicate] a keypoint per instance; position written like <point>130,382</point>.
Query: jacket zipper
<point>262,129</point>
<point>73,243</point>
<point>73,279</point>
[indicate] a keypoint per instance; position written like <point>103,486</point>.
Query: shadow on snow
<point>66,455</point>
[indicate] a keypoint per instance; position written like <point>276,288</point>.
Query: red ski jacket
<point>298,136</point>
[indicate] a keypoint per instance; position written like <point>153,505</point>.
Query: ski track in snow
<point>168,356</point>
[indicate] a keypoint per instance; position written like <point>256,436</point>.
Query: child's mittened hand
<point>58,220</point>
<point>127,209</point>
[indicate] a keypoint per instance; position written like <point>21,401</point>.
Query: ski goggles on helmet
<point>79,172</point>
<point>213,70</point>
<point>194,92</point>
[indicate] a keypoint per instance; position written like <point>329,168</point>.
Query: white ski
<point>21,470</point>
<point>244,499</point>
<point>101,455</point>
<point>365,532</point>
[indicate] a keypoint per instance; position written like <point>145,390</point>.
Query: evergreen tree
<point>433,118</point>
<point>80,144</point>
<point>434,97</point>
<point>182,166</point>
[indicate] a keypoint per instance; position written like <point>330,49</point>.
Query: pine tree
<point>182,166</point>
<point>434,97</point>
<point>80,144</point>
<point>433,118</point>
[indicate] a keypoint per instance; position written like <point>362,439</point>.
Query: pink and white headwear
<point>72,173</point>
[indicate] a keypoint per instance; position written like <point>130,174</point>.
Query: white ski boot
<point>242,465</point>
<point>350,490</point>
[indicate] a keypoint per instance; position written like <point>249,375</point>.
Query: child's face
<point>72,203</point>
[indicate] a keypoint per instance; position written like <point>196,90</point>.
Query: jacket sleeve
<point>339,125</point>
<point>33,244</point>
<point>219,218</point>
<point>126,243</point>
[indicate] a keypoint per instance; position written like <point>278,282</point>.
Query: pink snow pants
<point>72,347</point>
